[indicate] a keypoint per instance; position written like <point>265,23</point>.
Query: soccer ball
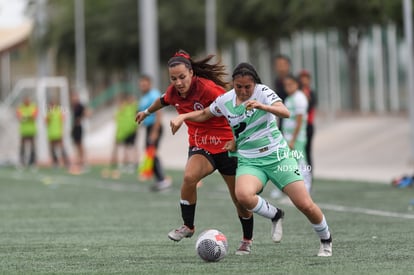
<point>211,245</point>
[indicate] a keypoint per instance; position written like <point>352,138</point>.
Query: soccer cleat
<point>325,250</point>
<point>180,233</point>
<point>161,185</point>
<point>165,184</point>
<point>244,248</point>
<point>277,230</point>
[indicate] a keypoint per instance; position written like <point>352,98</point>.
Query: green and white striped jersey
<point>255,131</point>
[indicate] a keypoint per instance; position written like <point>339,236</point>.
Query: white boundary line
<point>366,211</point>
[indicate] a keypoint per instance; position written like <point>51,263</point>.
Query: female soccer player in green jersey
<point>294,127</point>
<point>263,153</point>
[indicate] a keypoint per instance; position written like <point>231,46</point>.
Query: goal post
<point>40,89</point>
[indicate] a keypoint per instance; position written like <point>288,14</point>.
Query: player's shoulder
<point>262,89</point>
<point>263,92</point>
<point>208,85</point>
<point>227,96</point>
<point>300,98</point>
<point>299,95</point>
<point>204,81</point>
<point>168,92</point>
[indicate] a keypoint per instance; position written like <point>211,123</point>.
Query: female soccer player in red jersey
<point>194,86</point>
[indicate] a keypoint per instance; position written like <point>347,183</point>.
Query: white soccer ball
<point>211,245</point>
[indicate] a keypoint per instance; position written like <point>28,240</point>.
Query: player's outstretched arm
<point>196,116</point>
<point>155,106</point>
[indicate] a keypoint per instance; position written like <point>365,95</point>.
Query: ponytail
<point>201,68</point>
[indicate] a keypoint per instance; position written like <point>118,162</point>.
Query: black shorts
<point>221,161</point>
<point>77,134</point>
<point>130,140</point>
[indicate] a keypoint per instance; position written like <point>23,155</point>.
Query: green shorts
<point>279,172</point>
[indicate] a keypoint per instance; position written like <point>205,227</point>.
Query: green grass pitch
<point>55,223</point>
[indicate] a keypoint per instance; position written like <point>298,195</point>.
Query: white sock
<point>322,229</point>
<point>265,209</point>
<point>184,202</point>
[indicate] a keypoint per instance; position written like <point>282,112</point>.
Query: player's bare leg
<point>197,168</point>
<point>300,197</point>
<point>245,217</point>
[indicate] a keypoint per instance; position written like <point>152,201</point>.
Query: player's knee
<point>190,179</point>
<point>244,199</point>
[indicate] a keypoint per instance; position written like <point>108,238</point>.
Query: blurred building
<point>12,47</point>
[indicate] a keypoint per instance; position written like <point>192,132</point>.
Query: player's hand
<point>253,104</point>
<point>230,146</point>
<point>140,117</point>
<point>292,144</point>
<point>175,124</point>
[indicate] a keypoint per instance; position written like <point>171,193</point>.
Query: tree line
<point>112,38</point>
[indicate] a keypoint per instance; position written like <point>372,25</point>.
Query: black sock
<point>327,240</point>
<point>279,214</point>
<point>188,213</point>
<point>247,226</point>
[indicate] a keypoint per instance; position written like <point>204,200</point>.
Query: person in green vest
<point>55,121</point>
<point>125,134</point>
<point>27,114</point>
<point>130,154</point>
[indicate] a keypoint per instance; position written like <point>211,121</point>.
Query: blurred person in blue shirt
<point>153,129</point>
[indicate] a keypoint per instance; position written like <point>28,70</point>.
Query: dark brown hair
<point>293,77</point>
<point>244,69</point>
<point>201,68</point>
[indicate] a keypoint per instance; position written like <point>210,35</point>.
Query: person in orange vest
<point>125,138</point>
<point>27,114</point>
<point>55,121</point>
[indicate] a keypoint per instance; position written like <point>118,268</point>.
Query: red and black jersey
<point>212,134</point>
